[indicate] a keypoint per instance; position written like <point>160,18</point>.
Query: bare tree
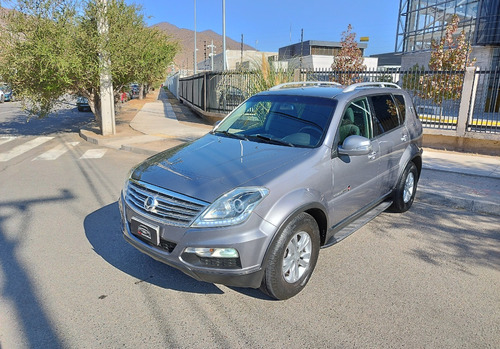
<point>349,61</point>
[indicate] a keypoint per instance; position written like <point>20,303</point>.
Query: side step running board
<point>358,223</point>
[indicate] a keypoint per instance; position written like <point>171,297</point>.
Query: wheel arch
<point>414,154</point>
<point>315,210</point>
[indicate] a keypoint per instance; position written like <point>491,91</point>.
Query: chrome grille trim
<point>172,209</point>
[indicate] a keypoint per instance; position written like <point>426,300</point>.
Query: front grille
<point>222,263</point>
<point>171,208</point>
<point>167,245</point>
<point>164,244</point>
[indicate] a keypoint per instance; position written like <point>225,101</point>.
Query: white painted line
<point>93,154</point>
<point>56,152</point>
<point>23,148</point>
<point>4,140</point>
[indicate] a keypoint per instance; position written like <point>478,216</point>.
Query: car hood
<point>212,165</point>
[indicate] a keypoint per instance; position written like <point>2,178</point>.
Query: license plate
<point>146,231</point>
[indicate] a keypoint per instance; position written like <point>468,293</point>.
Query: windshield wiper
<point>232,135</point>
<point>274,140</point>
<point>296,118</point>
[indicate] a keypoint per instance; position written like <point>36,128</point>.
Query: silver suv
<point>289,171</point>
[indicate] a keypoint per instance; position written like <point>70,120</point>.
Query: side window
<point>356,120</point>
<point>386,114</point>
<point>400,103</point>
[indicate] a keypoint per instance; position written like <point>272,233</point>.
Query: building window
<point>421,21</point>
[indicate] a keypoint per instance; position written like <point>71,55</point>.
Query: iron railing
<point>218,92</point>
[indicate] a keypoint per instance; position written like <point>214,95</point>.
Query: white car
<point>2,96</point>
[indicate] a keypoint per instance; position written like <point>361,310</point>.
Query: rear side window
<point>400,103</point>
<point>386,114</point>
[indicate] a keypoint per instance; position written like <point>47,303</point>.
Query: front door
<point>356,183</point>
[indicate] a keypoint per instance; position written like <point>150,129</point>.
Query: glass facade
<point>421,21</point>
<point>488,23</point>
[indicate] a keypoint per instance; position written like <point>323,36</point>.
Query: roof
<point>309,91</point>
<point>324,89</point>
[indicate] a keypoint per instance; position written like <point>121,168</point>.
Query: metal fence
<point>471,103</point>
<point>216,92</point>
<point>484,114</point>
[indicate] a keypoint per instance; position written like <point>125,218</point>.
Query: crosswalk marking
<point>93,154</point>
<point>6,139</point>
<point>51,154</point>
<point>56,152</point>
<point>20,149</point>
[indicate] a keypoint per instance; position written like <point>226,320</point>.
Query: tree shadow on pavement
<point>103,231</point>
<point>69,120</point>
<point>19,288</point>
<point>450,238</point>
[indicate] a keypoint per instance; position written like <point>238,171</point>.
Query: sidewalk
<point>160,121</point>
<point>151,125</point>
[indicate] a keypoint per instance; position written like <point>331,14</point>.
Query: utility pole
<point>205,54</point>
<point>241,60</point>
<point>106,82</point>
<point>301,46</point>
<point>194,37</point>
<point>211,54</point>
<point>224,64</point>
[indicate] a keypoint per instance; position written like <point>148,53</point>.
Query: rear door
<point>391,134</point>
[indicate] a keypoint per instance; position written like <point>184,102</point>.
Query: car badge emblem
<point>150,203</point>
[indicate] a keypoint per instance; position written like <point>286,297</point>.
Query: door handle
<point>372,155</point>
<point>404,137</point>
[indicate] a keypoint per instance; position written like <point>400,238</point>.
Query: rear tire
<point>293,256</point>
<point>405,191</point>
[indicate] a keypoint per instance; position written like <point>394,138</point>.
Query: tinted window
<point>386,115</point>
<point>400,102</point>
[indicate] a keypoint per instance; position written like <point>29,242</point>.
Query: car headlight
<point>231,208</point>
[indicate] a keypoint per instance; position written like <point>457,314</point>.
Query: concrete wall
<point>233,58</point>
<point>325,62</point>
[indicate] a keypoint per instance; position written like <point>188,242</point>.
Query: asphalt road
<point>426,278</point>
<point>66,118</point>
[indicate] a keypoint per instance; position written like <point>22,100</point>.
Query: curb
<point>138,150</point>
<point>88,138</point>
<point>472,205</point>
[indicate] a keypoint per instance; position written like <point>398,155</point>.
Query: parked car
<point>231,97</point>
<point>134,90</point>
<point>8,93</point>
<point>251,203</point>
<point>2,96</point>
<point>82,104</point>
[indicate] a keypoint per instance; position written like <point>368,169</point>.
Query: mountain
<point>185,37</point>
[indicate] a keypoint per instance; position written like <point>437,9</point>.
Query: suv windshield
<point>284,120</point>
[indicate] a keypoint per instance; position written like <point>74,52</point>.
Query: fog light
<point>213,252</point>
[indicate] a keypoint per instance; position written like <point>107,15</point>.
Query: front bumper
<point>251,239</point>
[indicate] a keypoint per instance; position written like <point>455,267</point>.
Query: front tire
<point>293,256</point>
<point>405,191</point>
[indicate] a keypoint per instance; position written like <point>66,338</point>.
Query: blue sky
<point>269,25</point>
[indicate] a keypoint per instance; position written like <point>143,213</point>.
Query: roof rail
<point>304,83</point>
<point>370,84</point>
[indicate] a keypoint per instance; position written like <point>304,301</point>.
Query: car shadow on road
<point>102,228</point>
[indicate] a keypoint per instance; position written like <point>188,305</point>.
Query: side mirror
<point>355,146</point>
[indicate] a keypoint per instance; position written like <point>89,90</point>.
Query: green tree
<point>349,61</point>
<point>52,47</point>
